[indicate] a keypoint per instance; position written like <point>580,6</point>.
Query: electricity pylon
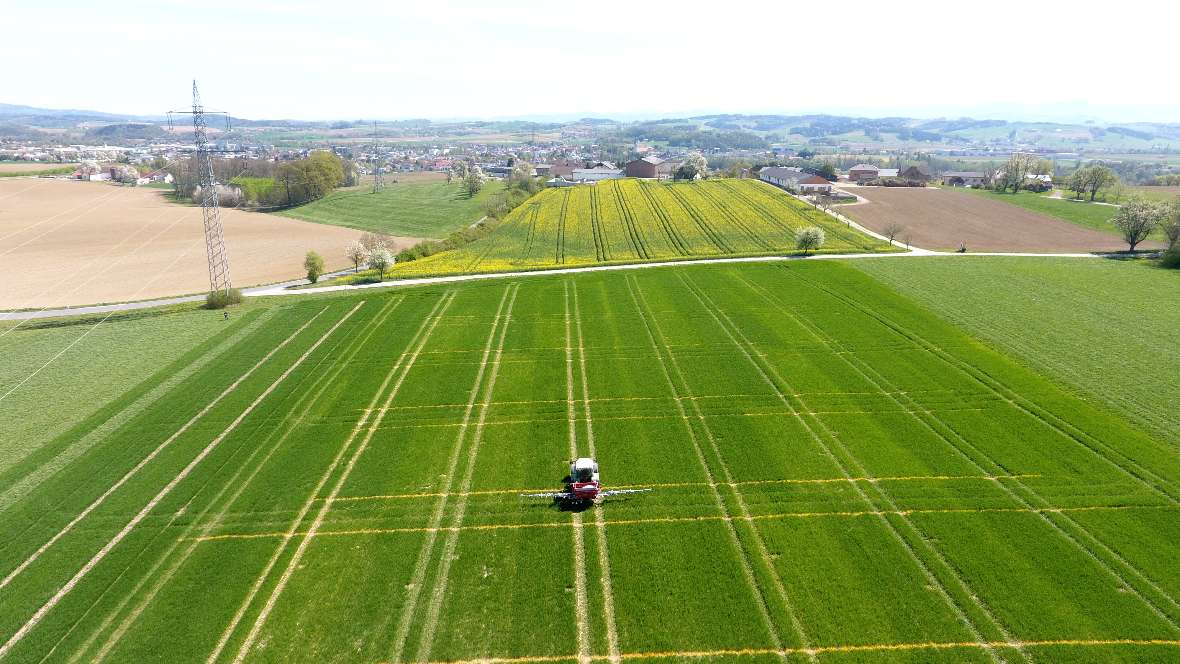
<point>219,279</point>
<point>378,180</point>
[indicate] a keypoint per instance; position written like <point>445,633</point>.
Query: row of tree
<point>471,176</point>
<point>304,180</point>
<point>1016,172</point>
<point>518,187</point>
<point>287,183</point>
<point>1021,169</point>
<point>1091,179</point>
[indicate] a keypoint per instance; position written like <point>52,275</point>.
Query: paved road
<point>144,304</point>
<point>283,288</point>
<point>635,266</point>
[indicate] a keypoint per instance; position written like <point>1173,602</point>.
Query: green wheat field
<point>839,475</point>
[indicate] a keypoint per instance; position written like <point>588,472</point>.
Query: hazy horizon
<point>1010,115</point>
<point>459,60</point>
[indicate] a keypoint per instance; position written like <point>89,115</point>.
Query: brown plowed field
<point>65,243</point>
<point>941,219</point>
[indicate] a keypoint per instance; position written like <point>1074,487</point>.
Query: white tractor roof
<point>584,462</point>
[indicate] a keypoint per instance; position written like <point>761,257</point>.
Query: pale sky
<point>522,58</point>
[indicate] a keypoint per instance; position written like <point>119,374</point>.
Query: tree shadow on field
<point>93,319</point>
<point>1137,255</point>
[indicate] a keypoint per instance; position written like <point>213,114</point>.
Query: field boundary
<point>638,265</point>
<point>753,257</point>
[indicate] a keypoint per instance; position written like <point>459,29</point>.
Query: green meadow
<point>414,208</point>
<point>1095,216</point>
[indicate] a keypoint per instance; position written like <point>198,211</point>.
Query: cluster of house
<point>800,182</point>
<point>862,173</point>
<point>565,173</point>
<point>67,153</point>
<point>127,174</point>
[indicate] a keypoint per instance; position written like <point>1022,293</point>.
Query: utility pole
<point>218,258</point>
<point>378,180</point>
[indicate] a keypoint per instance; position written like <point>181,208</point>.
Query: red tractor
<point>583,485</point>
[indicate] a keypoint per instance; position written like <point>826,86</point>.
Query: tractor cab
<point>583,481</point>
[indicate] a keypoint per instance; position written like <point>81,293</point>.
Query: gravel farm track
<point>69,243</point>
<point>941,219</point>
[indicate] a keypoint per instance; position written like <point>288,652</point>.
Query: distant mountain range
<point>56,117</point>
<point>751,131</point>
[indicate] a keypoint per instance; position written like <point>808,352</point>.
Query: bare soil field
<point>30,167</point>
<point>941,219</point>
<point>66,243</point>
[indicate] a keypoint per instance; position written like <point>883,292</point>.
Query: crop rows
<point>618,221</point>
<point>838,475</point>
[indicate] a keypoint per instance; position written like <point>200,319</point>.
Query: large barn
<point>795,180</point>
<point>654,168</point>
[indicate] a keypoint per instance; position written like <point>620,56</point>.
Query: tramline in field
<point>583,486</point>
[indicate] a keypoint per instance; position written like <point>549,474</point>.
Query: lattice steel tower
<point>210,209</point>
<point>378,179</point>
